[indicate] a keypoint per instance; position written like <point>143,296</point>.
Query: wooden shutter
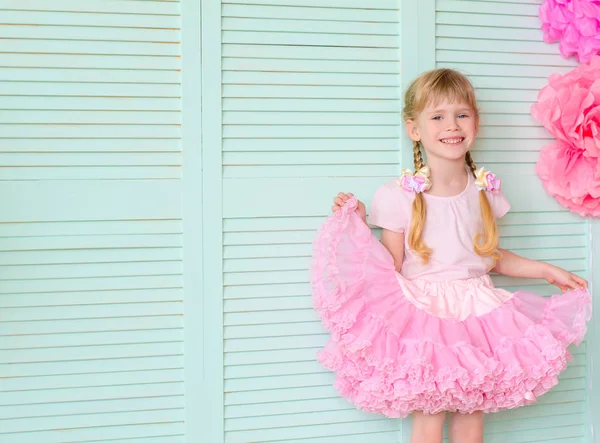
<point>311,105</point>
<point>91,312</point>
<point>499,45</point>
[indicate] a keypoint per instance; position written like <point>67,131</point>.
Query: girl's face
<point>446,130</point>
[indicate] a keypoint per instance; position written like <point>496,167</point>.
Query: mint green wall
<point>168,163</point>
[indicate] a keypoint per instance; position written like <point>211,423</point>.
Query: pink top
<point>450,229</point>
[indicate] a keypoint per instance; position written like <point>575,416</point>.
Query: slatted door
<point>91,313</point>
<point>311,102</point>
<point>499,45</point>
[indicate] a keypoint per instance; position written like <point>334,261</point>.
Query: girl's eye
<point>463,116</point>
<point>437,117</point>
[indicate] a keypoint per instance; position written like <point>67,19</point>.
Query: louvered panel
<point>92,82</point>
<point>91,293</point>
<point>312,96</point>
<point>508,63</point>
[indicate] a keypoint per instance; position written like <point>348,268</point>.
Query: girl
<point>417,325</point>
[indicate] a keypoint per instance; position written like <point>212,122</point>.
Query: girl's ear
<point>412,130</point>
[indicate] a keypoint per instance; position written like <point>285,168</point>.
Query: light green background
<point>164,167</point>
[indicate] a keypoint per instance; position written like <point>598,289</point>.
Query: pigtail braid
<point>417,224</point>
<point>486,242</point>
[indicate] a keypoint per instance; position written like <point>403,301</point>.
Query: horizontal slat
<point>309,118</point>
<point>88,75</point>
<point>88,61</point>
<point>456,56</point>
<point>91,380</point>
<point>88,89</point>
<point>92,104</point>
<point>89,242</point>
<point>484,7</point>
<point>94,311</point>
<point>49,32</point>
<point>502,46</point>
<point>242,372</point>
<point>291,65</point>
<point>282,290</point>
<point>308,158</point>
<point>488,33</point>
<point>91,159</point>
<point>312,39</point>
<point>303,79</point>
<point>314,431</point>
<point>91,339</point>
<point>90,284</point>
<point>334,4</point>
<point>89,256</point>
<point>270,91</point>
<point>266,264</point>
<point>90,117</point>
<point>487,20</point>
<point>91,367</point>
<point>312,327</point>
<point>67,173</point>
<point>75,228</point>
<point>91,298</point>
<point>114,20</point>
<point>87,353</point>
<point>92,131</point>
<point>95,393</point>
<point>310,53</point>
<point>101,6</point>
<point>92,407</point>
<point>273,343</point>
<point>293,420</point>
<point>90,47</point>
<point>311,105</point>
<point>309,25</point>
<point>303,13</point>
<point>136,433</point>
<point>279,356</point>
<point>67,424</point>
<point>34,272</point>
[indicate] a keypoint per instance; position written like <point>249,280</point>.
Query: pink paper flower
<point>570,177</point>
<point>569,108</point>
<point>575,23</point>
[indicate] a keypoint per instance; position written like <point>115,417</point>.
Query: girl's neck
<point>448,177</point>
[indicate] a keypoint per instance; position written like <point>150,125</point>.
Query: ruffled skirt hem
<point>393,358</point>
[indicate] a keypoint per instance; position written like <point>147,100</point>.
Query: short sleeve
<point>499,203</point>
<point>387,212</point>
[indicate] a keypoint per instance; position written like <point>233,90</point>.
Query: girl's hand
<point>340,201</point>
<point>564,279</point>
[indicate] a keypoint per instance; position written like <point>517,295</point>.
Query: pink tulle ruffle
<point>573,23</point>
<point>569,108</point>
<point>392,358</point>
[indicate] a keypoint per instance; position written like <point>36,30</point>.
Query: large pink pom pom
<point>569,108</point>
<point>575,23</point>
<point>570,177</point>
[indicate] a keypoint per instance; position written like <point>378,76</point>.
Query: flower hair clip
<point>486,181</point>
<point>415,182</point>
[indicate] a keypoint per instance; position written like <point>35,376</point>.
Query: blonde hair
<point>431,88</point>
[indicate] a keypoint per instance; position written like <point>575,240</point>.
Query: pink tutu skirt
<point>394,353</point>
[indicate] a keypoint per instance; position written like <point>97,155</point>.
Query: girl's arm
<point>394,242</point>
<point>513,265</point>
